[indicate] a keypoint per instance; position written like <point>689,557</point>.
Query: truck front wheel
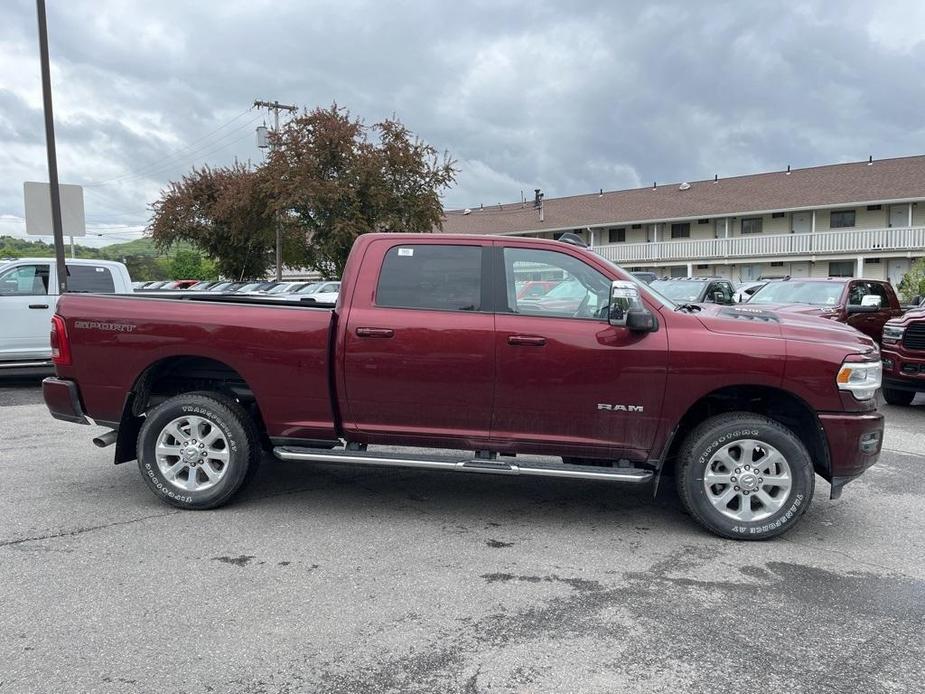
<point>744,476</point>
<point>195,450</point>
<point>898,397</point>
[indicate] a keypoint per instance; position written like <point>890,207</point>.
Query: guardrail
<point>758,246</point>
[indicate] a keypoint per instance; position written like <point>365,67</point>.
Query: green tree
<point>913,283</point>
<point>224,212</point>
<point>332,178</point>
<point>187,264</point>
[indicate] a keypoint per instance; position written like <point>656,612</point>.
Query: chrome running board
<point>455,464</point>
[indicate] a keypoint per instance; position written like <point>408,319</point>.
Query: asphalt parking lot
<point>331,579</point>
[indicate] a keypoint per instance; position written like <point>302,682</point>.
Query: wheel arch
<point>775,403</point>
<point>173,375</point>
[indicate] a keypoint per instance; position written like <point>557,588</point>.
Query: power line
<point>179,152</point>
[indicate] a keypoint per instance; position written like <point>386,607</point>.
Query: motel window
<point>751,225</point>
<point>842,219</point>
<point>841,268</point>
<point>679,271</point>
<point>703,221</point>
<point>777,215</point>
<point>681,230</point>
<point>617,235</point>
<point>874,208</point>
<point>637,226</point>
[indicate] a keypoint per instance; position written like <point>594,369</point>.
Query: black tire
<point>708,444</point>
<point>240,440</point>
<point>898,397</point>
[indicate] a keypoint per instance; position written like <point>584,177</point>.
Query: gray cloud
<point>567,98</point>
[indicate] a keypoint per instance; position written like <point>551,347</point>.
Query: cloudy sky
<point>568,97</point>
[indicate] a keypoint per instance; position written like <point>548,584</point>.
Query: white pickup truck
<point>29,294</point>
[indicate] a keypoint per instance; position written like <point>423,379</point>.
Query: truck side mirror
<point>719,298</point>
<point>869,304</point>
<point>627,309</point>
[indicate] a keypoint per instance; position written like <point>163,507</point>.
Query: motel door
<point>801,222</point>
<point>899,215</point>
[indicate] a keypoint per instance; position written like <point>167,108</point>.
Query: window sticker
<point>405,251</point>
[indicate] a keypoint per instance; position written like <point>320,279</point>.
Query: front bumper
<point>63,400</point>
<point>855,441</point>
<point>903,369</point>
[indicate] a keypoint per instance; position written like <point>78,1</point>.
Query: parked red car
<point>428,346</point>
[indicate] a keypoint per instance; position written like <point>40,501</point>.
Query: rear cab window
<point>90,279</point>
<point>431,276</point>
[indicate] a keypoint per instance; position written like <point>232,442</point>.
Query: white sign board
<point>38,209</point>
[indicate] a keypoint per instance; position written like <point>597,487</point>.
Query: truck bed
<point>280,349</point>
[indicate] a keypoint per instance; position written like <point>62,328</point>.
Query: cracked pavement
<point>333,579</point>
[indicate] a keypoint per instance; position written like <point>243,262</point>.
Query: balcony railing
<point>853,241</point>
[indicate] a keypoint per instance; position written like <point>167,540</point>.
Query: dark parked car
<point>696,290</point>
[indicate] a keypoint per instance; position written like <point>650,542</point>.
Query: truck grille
<point>914,337</point>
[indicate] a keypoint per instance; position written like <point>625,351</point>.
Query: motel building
<point>864,219</point>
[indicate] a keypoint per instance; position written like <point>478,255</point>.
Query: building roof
<point>819,186</point>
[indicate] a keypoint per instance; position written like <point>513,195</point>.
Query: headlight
<point>893,334</point>
<point>860,377</point>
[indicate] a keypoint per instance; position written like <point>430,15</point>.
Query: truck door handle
<point>38,305</point>
<point>375,332</point>
<point>526,340</point>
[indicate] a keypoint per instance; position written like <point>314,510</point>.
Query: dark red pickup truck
<point>904,357</point>
<point>864,304</point>
<point>429,346</point>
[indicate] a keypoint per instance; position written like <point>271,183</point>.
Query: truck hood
<point>915,314</point>
<point>800,309</point>
<point>804,323</point>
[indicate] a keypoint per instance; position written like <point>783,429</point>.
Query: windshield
<point>309,288</point>
<point>790,292</point>
<point>679,290</point>
<point>282,288</point>
<point>645,288</point>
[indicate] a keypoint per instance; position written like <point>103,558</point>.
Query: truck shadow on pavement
<point>465,497</point>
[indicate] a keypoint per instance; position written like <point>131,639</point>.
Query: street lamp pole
<point>57,228</point>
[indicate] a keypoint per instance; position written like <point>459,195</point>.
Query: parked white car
<point>745,290</point>
<point>322,292</point>
<point>29,294</point>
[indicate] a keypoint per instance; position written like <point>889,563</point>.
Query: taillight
<point>60,345</point>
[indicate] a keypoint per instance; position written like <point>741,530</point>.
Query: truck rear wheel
<point>196,450</point>
<point>744,476</point>
<point>898,397</point>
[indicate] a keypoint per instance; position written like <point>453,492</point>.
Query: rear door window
<point>431,276</point>
<point>90,279</point>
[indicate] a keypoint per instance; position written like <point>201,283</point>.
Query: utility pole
<point>56,226</point>
<point>276,107</point>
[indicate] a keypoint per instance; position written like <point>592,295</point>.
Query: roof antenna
<point>870,160</point>
<point>481,207</point>
<point>715,177</point>
<point>601,194</point>
<point>788,169</point>
<point>654,185</point>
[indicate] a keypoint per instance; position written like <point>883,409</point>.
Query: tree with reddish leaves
<point>225,212</point>
<point>333,178</point>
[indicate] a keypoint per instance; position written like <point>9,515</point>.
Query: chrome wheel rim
<point>747,480</point>
<point>192,453</point>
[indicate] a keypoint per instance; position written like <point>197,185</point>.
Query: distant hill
<point>143,259</point>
